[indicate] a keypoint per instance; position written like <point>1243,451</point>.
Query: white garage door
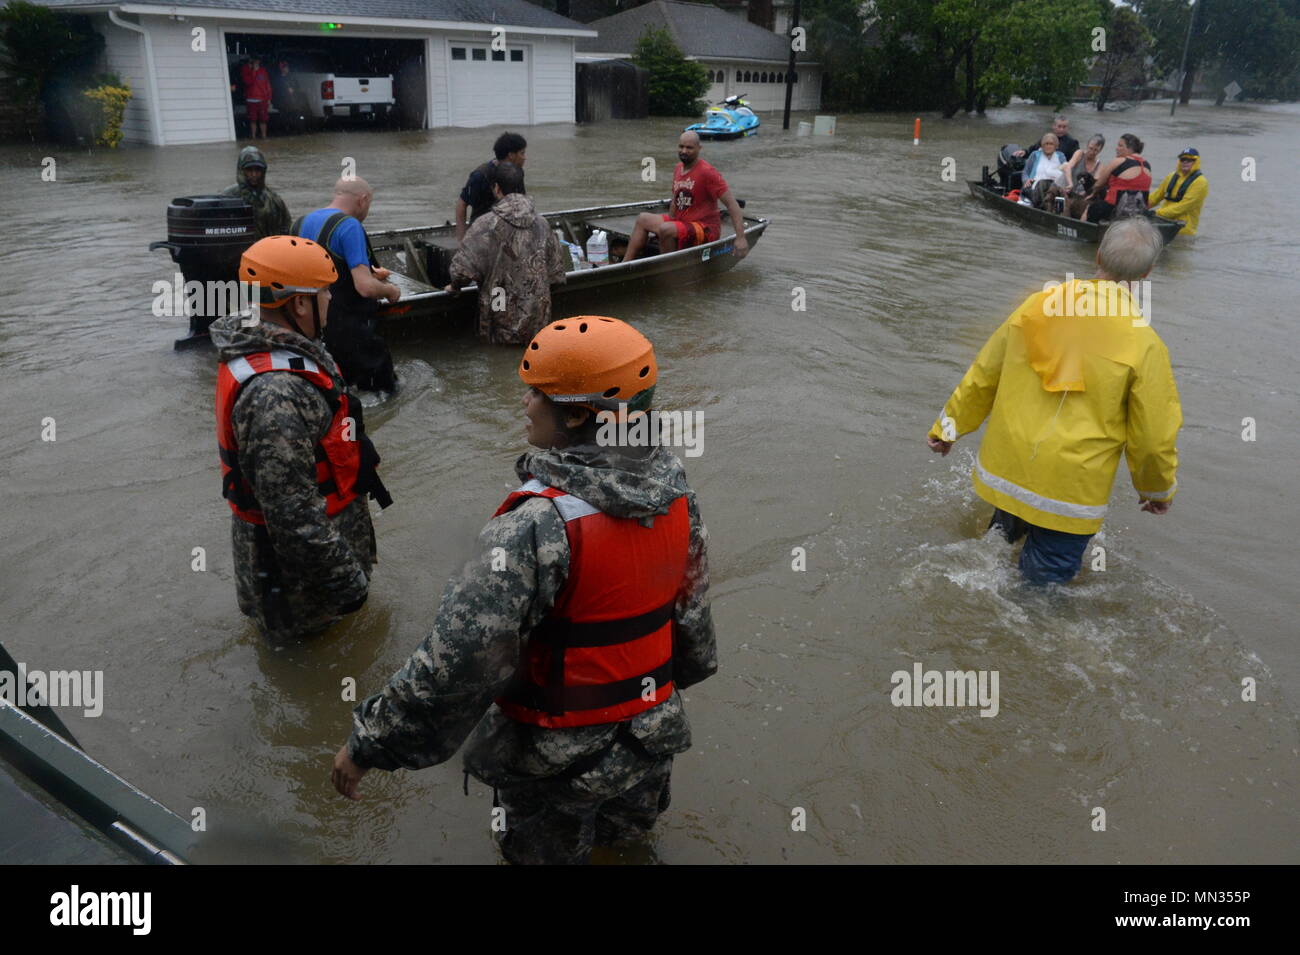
<point>489,87</point>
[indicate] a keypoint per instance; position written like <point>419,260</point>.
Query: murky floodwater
<point>1121,692</point>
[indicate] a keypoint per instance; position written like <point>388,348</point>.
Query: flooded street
<point>1121,691</point>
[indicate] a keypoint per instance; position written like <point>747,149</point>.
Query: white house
<point>740,57</point>
<point>175,56</point>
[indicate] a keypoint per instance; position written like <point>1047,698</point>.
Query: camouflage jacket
<point>515,258</point>
<point>449,684</point>
<point>321,563</point>
<point>270,213</point>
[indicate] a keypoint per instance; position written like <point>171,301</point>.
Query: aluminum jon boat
<point>1049,222</point>
<point>420,260</point>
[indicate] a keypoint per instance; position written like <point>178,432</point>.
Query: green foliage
<point>111,100</point>
<point>950,54</point>
<point>1127,45</point>
<point>1254,42</point>
<point>38,46</point>
<point>676,83</point>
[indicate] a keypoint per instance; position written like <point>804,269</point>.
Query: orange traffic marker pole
<point>916,132</point>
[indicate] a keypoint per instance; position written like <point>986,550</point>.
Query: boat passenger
<point>1066,143</point>
<point>1183,192</point>
<point>561,650</point>
<point>270,214</point>
<point>1084,169</point>
<point>1123,182</point>
<point>513,256</point>
<point>352,337</point>
<point>296,463</point>
<point>477,198</point>
<point>1045,170</point>
<point>1066,396</point>
<point>693,218</point>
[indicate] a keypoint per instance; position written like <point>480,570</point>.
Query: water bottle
<point>598,248</point>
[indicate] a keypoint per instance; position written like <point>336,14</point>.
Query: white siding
<point>554,76</point>
<point>439,95</point>
<point>124,55</point>
<point>193,86</point>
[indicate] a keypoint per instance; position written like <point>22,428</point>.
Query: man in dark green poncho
<point>271,214</point>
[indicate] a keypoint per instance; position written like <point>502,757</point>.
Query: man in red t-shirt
<point>257,95</point>
<point>694,219</point>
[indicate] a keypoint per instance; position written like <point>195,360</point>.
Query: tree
<point>1254,42</point>
<point>676,83</point>
<point>1127,43</point>
<point>38,46</point>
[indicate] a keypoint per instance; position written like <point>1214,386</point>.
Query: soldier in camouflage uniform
<point>303,549</point>
<point>564,787</point>
<point>270,214</point>
<point>515,258</point>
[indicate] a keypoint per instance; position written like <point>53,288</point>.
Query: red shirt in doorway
<point>695,197</point>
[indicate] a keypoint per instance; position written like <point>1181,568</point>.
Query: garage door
<point>489,87</point>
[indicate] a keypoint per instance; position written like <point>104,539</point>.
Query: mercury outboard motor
<point>1010,167</point>
<point>206,235</point>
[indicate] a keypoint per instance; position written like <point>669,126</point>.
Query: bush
<point>112,100</point>
<point>38,46</point>
<point>676,83</point>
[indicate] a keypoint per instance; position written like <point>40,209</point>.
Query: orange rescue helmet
<point>591,361</point>
<point>285,266</point>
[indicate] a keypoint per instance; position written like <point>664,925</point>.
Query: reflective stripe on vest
<point>604,652</point>
<point>338,452</point>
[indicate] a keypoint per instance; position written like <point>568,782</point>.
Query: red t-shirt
<point>257,83</point>
<point>695,196</point>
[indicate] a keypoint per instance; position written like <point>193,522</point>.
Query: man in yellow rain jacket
<point>1183,192</point>
<point>1072,380</point>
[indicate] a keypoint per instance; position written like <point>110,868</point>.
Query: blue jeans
<point>1049,557</point>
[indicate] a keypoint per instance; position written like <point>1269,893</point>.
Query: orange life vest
<point>604,652</point>
<point>345,458</point>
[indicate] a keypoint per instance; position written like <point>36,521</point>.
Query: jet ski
<point>730,119</point>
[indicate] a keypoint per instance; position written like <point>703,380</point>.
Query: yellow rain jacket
<point>1068,383</point>
<point>1188,208</point>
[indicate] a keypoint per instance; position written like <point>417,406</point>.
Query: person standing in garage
<point>257,96</point>
<point>477,198</point>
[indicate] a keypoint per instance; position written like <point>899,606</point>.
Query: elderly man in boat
<point>693,219</point>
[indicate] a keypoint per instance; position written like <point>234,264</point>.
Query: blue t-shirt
<point>348,241</point>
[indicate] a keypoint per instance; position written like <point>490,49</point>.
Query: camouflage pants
<point>557,821</point>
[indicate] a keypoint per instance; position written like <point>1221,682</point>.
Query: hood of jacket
<point>249,156</point>
<point>621,482</point>
<point>233,339</point>
<point>1082,318</point>
<point>517,209</point>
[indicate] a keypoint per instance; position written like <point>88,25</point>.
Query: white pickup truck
<point>335,95</point>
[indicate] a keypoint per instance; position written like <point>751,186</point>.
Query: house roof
<point>517,13</point>
<point>700,30</point>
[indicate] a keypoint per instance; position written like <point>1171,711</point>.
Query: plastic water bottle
<point>598,248</point>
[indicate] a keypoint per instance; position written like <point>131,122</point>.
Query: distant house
<point>740,57</point>
<point>179,55</point>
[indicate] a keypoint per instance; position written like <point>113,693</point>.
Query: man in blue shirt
<point>476,198</point>
<point>350,336</point>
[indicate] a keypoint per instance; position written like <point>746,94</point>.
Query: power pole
<point>789,72</point>
<point>1182,67</point>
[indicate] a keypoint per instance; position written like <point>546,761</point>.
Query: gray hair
<point>1129,249</point>
<point>1061,118</point>
<point>1097,138</point>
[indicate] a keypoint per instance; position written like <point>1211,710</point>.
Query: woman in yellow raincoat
<point>1075,378</point>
